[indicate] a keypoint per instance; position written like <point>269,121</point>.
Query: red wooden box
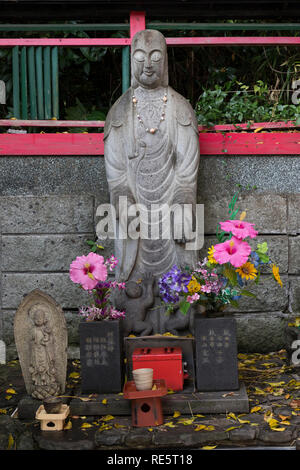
<point>165,362</point>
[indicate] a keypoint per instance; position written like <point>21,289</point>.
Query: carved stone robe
<point>151,169</point>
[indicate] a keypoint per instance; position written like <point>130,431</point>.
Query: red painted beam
<point>99,124</point>
<point>48,123</point>
<point>183,41</point>
<point>235,143</point>
<point>51,144</point>
<point>246,126</point>
<point>234,41</point>
<point>137,22</point>
<point>65,42</point>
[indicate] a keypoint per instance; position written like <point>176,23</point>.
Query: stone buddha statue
<point>152,157</point>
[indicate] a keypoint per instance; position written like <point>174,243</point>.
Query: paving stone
<point>138,438</point>
<point>293,214</point>
<point>58,285</point>
<point>270,297</point>
<point>110,437</point>
<point>242,434</point>
<point>46,214</point>
<point>60,440</point>
<point>177,438</point>
<point>261,332</point>
<point>294,259</point>
<point>275,437</point>
<point>42,252</point>
<point>267,211</point>
<point>294,283</point>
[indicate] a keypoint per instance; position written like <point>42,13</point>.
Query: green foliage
<point>234,103</point>
<point>80,113</point>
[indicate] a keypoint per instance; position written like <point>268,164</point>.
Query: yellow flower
<point>193,286</point>
<point>211,258</point>
<point>275,271</point>
<point>247,271</point>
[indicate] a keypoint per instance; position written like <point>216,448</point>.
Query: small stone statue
<point>136,299</point>
<point>41,339</point>
<point>42,363</point>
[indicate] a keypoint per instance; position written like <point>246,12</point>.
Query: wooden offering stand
<point>146,409</point>
<point>53,421</point>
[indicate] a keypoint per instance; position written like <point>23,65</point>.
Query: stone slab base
<point>186,403</point>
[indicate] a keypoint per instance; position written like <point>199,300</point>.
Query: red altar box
<point>165,362</point>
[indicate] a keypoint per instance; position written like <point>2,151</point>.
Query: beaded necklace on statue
<point>151,129</point>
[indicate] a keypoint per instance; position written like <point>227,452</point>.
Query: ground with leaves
<point>273,389</point>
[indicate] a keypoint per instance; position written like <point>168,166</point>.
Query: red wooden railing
<point>224,139</point>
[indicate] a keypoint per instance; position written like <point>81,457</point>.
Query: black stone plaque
<point>216,354</point>
<point>101,356</point>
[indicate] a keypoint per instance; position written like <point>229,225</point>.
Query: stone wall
<point>47,212</point>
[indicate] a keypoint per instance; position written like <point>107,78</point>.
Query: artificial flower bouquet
<point>91,273</point>
<point>225,275</point>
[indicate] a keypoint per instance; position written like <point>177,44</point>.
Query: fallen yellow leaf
<point>169,424</point>
<point>210,428</point>
<point>176,414</point>
<point>11,391</point>
<point>233,427</point>
<point>104,401</point>
<point>119,426</point>
<point>186,422</point>
<point>10,442</point>
<point>68,425</point>
<point>107,418</point>
<point>200,427</point>
<point>208,447</point>
<point>232,416</point>
<point>86,425</point>
<point>255,409</point>
<point>74,375</point>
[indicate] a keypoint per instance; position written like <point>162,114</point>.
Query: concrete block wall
<point>47,212</point>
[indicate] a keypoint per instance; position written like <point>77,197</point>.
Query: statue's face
<point>39,318</point>
<point>148,60</point>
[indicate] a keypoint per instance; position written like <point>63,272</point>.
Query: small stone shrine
<point>41,339</point>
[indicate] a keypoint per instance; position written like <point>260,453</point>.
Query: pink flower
<point>239,228</point>
<point>192,298</point>
<point>88,270</point>
<point>232,251</point>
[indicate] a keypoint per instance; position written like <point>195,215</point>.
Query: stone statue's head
<point>133,290</point>
<point>149,60</point>
<point>38,314</point>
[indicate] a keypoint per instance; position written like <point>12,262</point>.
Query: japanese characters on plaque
<point>98,349</point>
<point>212,346</point>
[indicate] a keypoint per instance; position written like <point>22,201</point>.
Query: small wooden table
<point>146,408</point>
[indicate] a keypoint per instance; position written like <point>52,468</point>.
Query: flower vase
<point>101,356</point>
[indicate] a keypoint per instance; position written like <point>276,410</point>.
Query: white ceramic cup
<point>143,378</point>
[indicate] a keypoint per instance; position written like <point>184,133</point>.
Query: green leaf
<point>262,247</point>
<point>231,275</point>
<point>234,303</point>
<point>184,307</point>
<point>248,293</point>
<point>264,258</point>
